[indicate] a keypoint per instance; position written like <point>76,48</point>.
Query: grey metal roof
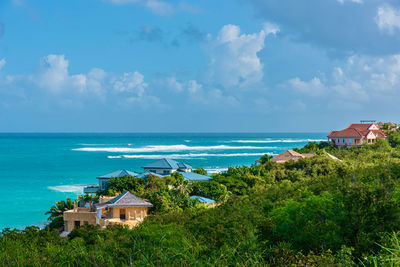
<point>118,173</point>
<point>126,199</point>
<point>167,164</point>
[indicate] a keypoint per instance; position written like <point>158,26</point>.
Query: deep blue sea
<point>37,169</point>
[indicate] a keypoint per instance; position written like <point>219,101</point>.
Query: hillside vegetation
<point>314,212</point>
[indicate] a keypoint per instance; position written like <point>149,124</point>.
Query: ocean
<point>38,169</point>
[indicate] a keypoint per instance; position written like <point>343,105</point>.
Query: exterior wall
<point>131,213</point>
<point>160,171</point>
<point>103,183</point>
<point>371,138</point>
<point>83,215</point>
<point>348,141</point>
<point>373,127</point>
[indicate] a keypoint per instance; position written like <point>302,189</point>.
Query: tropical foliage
<point>314,212</point>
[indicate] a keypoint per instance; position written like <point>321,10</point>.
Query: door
<point>122,214</point>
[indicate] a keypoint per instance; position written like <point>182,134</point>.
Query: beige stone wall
<point>82,216</point>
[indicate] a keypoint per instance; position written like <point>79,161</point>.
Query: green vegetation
<point>314,212</point>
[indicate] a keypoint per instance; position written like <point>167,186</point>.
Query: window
<point>77,224</point>
<point>343,140</point>
<point>349,140</point>
<point>165,172</point>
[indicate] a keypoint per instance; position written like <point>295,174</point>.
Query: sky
<point>197,66</point>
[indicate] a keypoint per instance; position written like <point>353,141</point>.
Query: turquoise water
<point>37,169</point>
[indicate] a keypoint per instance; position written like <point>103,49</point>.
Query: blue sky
<point>197,66</point>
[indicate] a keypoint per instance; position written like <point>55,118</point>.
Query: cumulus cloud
<point>190,86</point>
<point>316,22</point>
<point>233,56</point>
<point>132,83</point>
<point>314,87</point>
<point>388,19</point>
<point>359,79</point>
<point>2,63</point>
<point>53,76</point>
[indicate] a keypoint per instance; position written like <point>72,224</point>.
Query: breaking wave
<point>166,148</point>
<point>189,155</point>
<point>68,188</point>
<point>278,141</point>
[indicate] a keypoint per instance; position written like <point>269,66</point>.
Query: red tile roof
<point>356,130</point>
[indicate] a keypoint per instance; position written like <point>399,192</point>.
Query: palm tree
<point>59,208</point>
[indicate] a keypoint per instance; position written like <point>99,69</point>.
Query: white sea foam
<point>278,141</point>
<point>166,148</point>
<point>189,155</point>
<point>216,169</point>
<point>77,188</point>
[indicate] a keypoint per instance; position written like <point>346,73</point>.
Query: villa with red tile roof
<point>356,134</point>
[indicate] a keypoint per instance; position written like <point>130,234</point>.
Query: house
<point>356,134</point>
<point>295,156</point>
<point>167,166</point>
<point>388,126</point>
<point>125,209</point>
<point>290,155</point>
<point>104,179</point>
<point>161,168</point>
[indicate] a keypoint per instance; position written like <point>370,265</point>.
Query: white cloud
<point>314,87</point>
<point>233,56</point>
<point>156,6</point>
<point>54,74</point>
<point>359,79</point>
<point>194,87</point>
<point>173,84</point>
<point>54,77</point>
<point>132,83</point>
<point>388,19</point>
<point>160,7</point>
<point>2,63</point>
<point>271,28</point>
<point>353,1</point>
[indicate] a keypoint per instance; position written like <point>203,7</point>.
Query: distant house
<point>356,134</point>
<point>160,168</point>
<point>167,166</point>
<point>125,209</point>
<point>290,155</point>
<point>103,180</point>
<point>389,126</point>
<point>295,156</point>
